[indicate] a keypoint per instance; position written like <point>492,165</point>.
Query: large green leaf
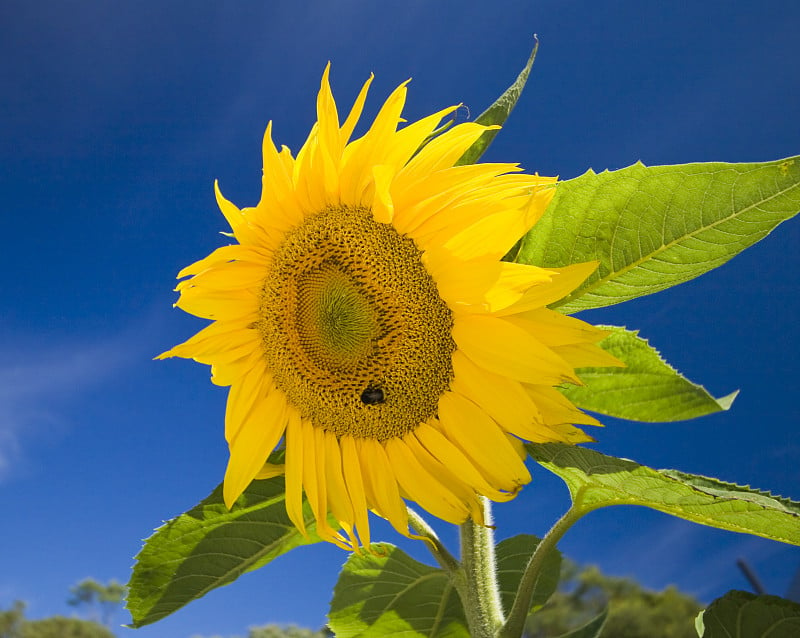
<point>498,112</point>
<point>388,593</point>
<point>596,480</point>
<point>654,227</point>
<point>512,558</point>
<point>646,389</point>
<point>740,614</point>
<point>591,629</point>
<point>209,546</point>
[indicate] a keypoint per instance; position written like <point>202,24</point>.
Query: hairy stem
<point>480,594</point>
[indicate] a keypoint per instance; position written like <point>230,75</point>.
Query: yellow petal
<point>587,355</point>
<point>278,204</point>
<point>461,281</point>
<point>512,283</point>
<point>382,206</point>
<point>294,471</point>
<point>556,408</point>
<point>314,462</point>
<point>228,305</point>
<point>455,485</point>
<point>555,329</point>
<point>480,438</point>
<point>248,394</point>
<point>225,254</point>
<point>355,113</point>
<point>494,235</point>
<point>271,470</point>
<point>506,349</point>
<point>381,485</point>
<point>259,434</point>
<point>421,486</point>
<point>564,281</point>
<point>501,398</point>
<point>444,150</point>
<point>338,497</point>
<point>351,468</point>
<point>451,457</point>
<point>215,339</point>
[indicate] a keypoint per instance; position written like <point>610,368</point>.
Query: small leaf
<point>596,480</point>
<point>646,389</point>
<point>740,614</point>
<point>498,112</point>
<point>209,546</point>
<point>655,227</point>
<point>391,594</point>
<point>591,629</point>
<point>513,555</point>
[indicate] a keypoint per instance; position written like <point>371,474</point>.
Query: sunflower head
<point>365,321</point>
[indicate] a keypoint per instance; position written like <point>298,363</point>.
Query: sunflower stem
<point>480,593</point>
<point>515,623</point>
<point>447,561</point>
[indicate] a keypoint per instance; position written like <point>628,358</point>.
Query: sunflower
<point>365,321</point>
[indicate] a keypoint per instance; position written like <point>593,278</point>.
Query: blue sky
<point>115,118</point>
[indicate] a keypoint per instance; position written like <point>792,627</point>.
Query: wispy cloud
<point>699,560</point>
<point>40,378</point>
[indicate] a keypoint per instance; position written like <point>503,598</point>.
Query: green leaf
<point>513,555</point>
<point>391,594</point>
<point>596,480</point>
<point>740,614</point>
<point>655,227</point>
<point>646,389</point>
<point>209,546</point>
<point>591,629</point>
<point>498,112</point>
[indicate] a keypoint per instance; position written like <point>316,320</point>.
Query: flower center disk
<point>353,327</point>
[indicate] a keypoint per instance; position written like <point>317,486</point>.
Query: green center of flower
<point>353,328</point>
<point>335,320</point>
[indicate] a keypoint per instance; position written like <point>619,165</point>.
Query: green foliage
<point>209,546</point>
<point>280,631</point>
<point>591,629</point>
<point>13,624</point>
<point>512,557</point>
<point>646,389</point>
<point>62,627</point>
<point>388,593</point>
<point>649,228</point>
<point>12,619</point>
<point>655,227</point>
<point>595,480</point>
<point>498,112</point>
<point>632,611</point>
<point>740,614</point>
<point>292,631</point>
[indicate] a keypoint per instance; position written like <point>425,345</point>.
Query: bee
<point>373,395</point>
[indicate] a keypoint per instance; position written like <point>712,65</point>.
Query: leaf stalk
<point>515,623</point>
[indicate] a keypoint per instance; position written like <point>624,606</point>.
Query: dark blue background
<point>115,118</point>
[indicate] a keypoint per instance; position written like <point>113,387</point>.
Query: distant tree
<point>62,627</point>
<point>279,631</point>
<point>292,631</point>
<point>101,601</point>
<point>13,624</point>
<point>633,611</point>
<point>11,620</point>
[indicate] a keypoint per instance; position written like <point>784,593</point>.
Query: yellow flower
<point>365,320</point>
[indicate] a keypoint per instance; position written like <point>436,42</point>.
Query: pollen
<point>353,328</point>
